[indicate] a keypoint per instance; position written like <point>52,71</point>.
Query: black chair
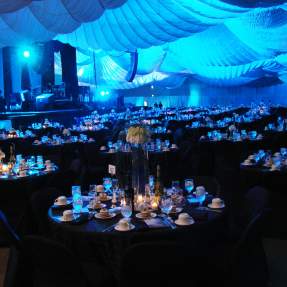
<point>38,261</point>
<point>155,264</point>
<point>40,203</point>
<point>10,237</point>
<point>50,263</point>
<point>242,262</point>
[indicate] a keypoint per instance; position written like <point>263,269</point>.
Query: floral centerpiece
<point>138,135</point>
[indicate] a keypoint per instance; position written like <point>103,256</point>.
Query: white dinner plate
<point>177,222</point>
<point>99,216</point>
<point>212,207</point>
<point>124,230</point>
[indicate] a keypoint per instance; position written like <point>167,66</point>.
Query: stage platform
<point>64,116</point>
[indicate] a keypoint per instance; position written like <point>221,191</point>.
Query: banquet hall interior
<point>143,142</point>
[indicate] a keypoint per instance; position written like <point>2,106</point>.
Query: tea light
<point>140,199</point>
<point>4,167</point>
<point>154,205</point>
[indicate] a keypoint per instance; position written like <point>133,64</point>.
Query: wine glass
<point>166,204</point>
<point>126,209</point>
<point>200,196</point>
<point>189,185</point>
<point>175,185</point>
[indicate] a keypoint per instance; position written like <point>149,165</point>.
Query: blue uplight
<point>26,54</point>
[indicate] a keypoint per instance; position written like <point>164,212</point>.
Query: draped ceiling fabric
<point>222,42</point>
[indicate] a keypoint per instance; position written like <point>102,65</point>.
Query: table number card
<point>112,169</point>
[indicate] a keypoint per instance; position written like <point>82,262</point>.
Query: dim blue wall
<point>199,94</point>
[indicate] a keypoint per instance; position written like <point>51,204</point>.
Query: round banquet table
<point>15,193</point>
<point>94,238</point>
<point>63,154</point>
<point>227,152</point>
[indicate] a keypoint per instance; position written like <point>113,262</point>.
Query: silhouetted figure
<point>160,105</point>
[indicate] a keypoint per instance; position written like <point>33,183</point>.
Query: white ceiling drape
<point>218,41</point>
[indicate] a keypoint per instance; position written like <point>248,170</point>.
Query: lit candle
<point>123,202</point>
<point>140,199</point>
<point>4,168</point>
<point>154,205</point>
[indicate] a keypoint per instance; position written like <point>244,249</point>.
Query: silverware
<point>110,228</point>
<point>167,220</point>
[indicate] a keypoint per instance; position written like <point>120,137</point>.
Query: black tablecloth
<point>87,238</point>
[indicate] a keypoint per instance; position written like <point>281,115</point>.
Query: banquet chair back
<point>249,257</point>
<point>155,263</point>
<point>51,263</point>
<point>256,201</point>
<point>40,203</point>
<point>10,236</point>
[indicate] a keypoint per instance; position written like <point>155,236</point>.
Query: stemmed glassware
<point>175,185</point>
<point>126,208</point>
<point>165,204</point>
<point>189,185</point>
<point>151,183</point>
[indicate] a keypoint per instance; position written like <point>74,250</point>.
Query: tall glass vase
<point>140,168</point>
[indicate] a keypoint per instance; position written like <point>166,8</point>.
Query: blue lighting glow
<point>81,72</point>
<point>103,94</point>
<point>26,54</point>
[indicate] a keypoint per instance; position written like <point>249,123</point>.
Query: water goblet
<point>166,204</point>
<point>126,208</point>
<point>189,185</point>
<point>151,182</point>
<point>175,185</point>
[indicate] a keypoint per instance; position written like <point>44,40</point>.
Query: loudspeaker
<point>133,66</point>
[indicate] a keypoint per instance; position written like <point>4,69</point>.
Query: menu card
<point>154,223</point>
